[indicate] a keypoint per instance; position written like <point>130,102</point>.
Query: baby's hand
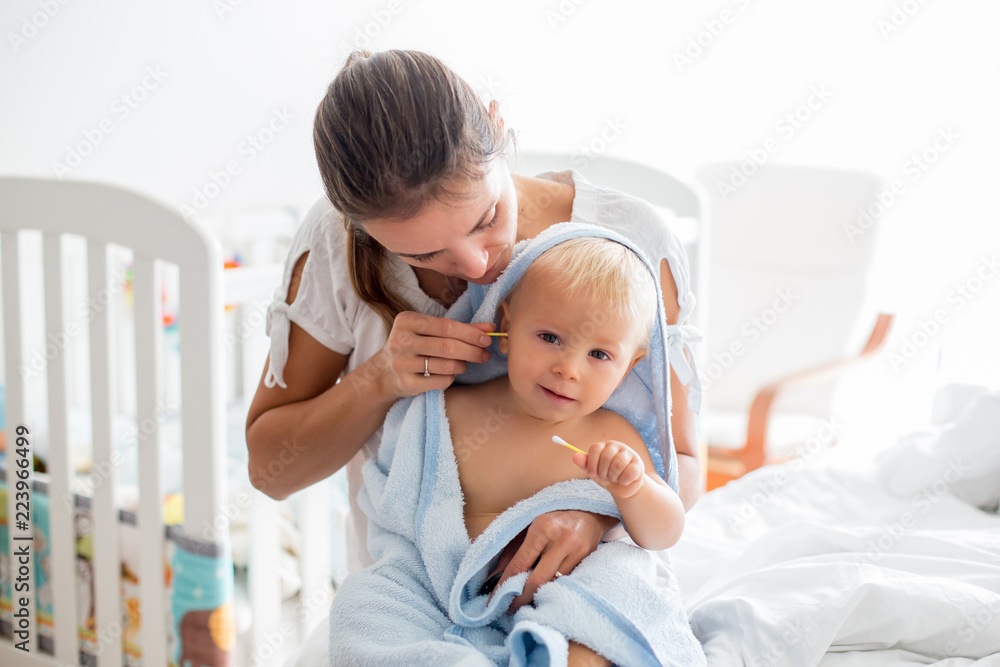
<point>615,466</point>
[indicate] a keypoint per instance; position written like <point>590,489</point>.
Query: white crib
<point>161,243</point>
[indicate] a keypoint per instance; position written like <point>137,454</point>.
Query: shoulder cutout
<point>669,288</point>
<point>293,283</point>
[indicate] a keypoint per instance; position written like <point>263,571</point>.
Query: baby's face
<point>565,356</point>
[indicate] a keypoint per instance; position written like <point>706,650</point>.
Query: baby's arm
<point>652,512</point>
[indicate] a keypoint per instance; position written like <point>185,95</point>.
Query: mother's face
<point>470,236</point>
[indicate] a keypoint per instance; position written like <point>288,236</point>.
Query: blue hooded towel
<point>419,603</point>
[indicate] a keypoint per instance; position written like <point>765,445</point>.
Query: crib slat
<point>16,371</point>
<point>63,542</point>
<point>148,356</point>
<point>314,527</point>
<point>264,581</point>
<point>201,375</point>
<point>105,537</point>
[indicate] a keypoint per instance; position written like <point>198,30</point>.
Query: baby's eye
<point>549,337</point>
<point>599,354</point>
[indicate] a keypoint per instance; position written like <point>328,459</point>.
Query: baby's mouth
<point>556,397</point>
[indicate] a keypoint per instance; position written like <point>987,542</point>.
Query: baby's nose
<point>567,366</point>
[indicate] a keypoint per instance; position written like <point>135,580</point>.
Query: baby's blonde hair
<point>608,271</point>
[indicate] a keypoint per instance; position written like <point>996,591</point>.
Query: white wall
<point>563,72</point>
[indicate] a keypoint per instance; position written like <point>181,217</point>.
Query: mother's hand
<point>439,346</point>
<point>554,542</point>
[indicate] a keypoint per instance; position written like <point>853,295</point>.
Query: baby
<point>579,319</point>
<point>577,322</point>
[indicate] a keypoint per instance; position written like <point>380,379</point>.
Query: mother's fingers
<point>443,327</point>
<point>506,563</point>
<point>449,348</point>
<point>438,366</point>
<point>538,548</point>
<point>545,571</point>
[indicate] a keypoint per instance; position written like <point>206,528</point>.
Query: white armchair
<point>791,306</point>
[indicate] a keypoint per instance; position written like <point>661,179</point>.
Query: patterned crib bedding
<point>198,579</point>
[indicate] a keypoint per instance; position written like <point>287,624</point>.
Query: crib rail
<point>106,215</point>
<point>110,219</point>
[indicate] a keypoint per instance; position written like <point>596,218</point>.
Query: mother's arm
<point>303,433</point>
<point>682,420</point>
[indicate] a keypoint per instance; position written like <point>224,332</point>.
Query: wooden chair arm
<point>760,410</point>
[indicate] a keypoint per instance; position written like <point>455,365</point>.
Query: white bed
<point>831,569</point>
<point>819,564</point>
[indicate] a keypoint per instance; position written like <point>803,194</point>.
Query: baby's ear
<point>503,327</point>
<point>638,357</point>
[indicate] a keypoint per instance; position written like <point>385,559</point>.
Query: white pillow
<point>960,456</point>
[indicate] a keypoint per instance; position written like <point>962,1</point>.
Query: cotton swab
<point>559,441</point>
<point>496,334</point>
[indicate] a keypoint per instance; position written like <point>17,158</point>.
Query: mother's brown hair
<point>393,132</point>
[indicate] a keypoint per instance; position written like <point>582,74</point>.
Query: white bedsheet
<point>803,565</point>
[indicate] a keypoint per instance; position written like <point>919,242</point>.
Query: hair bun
<point>357,55</point>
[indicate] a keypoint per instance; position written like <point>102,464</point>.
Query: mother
<point>415,166</point>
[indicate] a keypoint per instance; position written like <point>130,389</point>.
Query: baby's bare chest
<point>497,469</point>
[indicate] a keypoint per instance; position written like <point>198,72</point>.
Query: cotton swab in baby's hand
<point>559,441</point>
